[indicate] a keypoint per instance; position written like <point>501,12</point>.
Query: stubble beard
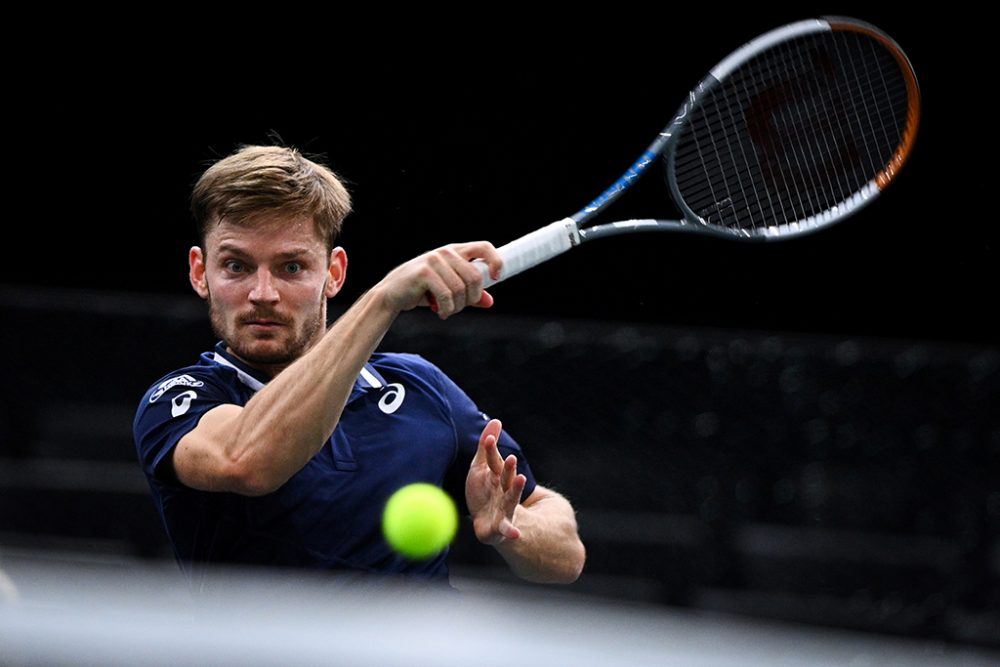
<point>240,342</point>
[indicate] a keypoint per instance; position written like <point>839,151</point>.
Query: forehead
<point>265,232</point>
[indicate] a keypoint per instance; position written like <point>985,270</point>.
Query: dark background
<point>805,430</point>
<point>489,128</point>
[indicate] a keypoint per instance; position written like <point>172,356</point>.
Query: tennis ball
<point>419,521</point>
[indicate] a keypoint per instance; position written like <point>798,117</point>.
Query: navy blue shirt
<point>405,421</point>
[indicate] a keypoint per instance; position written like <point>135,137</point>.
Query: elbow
<point>564,568</point>
<point>247,479</point>
<point>219,459</point>
<point>573,565</point>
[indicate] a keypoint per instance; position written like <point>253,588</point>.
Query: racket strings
<point>819,145</point>
<point>721,125</point>
<point>838,107</point>
<point>793,132</point>
<point>796,179</point>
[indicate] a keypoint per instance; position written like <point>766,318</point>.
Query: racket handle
<point>532,249</point>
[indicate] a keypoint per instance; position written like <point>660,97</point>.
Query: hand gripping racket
<point>794,131</point>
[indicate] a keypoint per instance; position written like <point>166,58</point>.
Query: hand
<point>493,489</point>
<point>444,279</point>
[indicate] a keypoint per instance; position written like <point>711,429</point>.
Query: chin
<point>266,358</point>
<point>264,351</point>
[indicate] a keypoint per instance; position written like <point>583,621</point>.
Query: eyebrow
<point>294,252</point>
<point>287,254</point>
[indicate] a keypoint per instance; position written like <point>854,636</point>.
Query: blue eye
<point>293,267</point>
<point>234,266</point>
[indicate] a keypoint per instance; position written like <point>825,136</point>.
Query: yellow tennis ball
<point>419,521</point>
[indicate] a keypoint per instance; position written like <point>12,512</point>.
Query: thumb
<point>485,301</point>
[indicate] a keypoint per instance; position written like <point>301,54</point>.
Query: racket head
<point>794,131</point>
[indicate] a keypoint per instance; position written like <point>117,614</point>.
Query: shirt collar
<point>368,380</point>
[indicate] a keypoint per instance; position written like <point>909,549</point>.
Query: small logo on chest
<point>391,398</point>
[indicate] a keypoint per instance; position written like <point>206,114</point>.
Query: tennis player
<point>281,446</point>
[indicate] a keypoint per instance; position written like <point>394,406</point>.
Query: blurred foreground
<point>85,614</point>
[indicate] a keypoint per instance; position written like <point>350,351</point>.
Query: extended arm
<point>256,448</point>
<point>538,538</point>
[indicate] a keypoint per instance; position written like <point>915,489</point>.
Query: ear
<point>338,272</point>
<point>196,260</point>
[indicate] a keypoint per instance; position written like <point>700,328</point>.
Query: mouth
<point>263,325</point>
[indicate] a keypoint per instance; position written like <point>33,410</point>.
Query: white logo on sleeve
<point>392,398</point>
<point>183,380</point>
<point>182,402</point>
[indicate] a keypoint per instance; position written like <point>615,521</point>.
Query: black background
<point>826,479</point>
<point>457,126</point>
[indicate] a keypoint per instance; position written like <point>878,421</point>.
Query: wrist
<point>383,298</point>
<point>378,301</point>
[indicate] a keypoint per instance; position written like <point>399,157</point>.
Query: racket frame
<point>558,237</point>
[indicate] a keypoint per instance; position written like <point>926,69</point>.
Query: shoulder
<point>174,404</point>
<point>405,366</point>
<point>413,370</point>
<point>205,376</point>
<point>403,361</point>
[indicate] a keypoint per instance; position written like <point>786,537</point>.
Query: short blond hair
<point>267,180</point>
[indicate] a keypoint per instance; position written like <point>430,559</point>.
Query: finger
<point>488,441</point>
<point>518,488</point>
<point>485,251</point>
<point>493,427</point>
<point>512,497</point>
<point>438,297</point>
<point>485,301</point>
<point>493,458</point>
<point>486,452</point>
<point>443,263</point>
<point>509,471</point>
<point>508,530</point>
<point>467,272</point>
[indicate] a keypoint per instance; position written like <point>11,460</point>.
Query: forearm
<point>287,422</point>
<point>549,549</point>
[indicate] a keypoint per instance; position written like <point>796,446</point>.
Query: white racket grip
<point>532,249</point>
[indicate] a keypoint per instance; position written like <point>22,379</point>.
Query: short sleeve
<point>469,422</point>
<point>168,411</point>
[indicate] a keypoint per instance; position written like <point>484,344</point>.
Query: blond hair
<point>262,180</point>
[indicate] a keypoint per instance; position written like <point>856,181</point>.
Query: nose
<point>263,290</point>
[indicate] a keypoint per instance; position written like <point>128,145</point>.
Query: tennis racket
<point>794,131</point>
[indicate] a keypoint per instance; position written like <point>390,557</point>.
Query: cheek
<point>302,297</point>
<point>225,293</point>
<point>315,291</point>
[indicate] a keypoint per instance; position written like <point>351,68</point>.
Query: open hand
<point>493,489</point>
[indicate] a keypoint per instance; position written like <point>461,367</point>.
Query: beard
<point>270,349</point>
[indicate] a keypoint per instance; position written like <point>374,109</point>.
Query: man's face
<point>267,286</point>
